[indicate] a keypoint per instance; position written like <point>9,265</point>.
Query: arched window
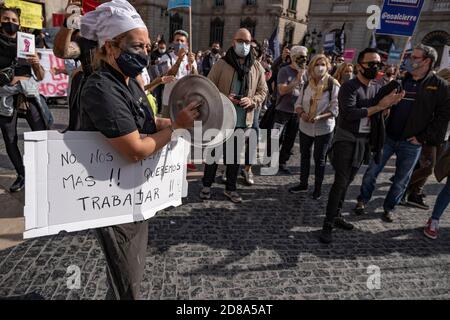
<point>216,33</point>
<point>289,33</point>
<point>437,40</point>
<point>249,24</point>
<point>176,23</point>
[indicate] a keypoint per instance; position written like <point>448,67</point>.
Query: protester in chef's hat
<point>109,20</point>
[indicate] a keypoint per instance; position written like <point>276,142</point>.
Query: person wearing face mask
<point>241,78</point>
<point>358,134</point>
<point>18,90</point>
<point>187,65</point>
<point>113,103</point>
<point>344,73</point>
<point>211,59</point>
<point>290,81</point>
<point>317,108</point>
<point>156,55</point>
<point>417,124</point>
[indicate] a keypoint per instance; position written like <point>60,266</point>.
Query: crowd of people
<point>352,114</point>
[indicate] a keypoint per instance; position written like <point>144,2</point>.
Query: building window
<point>293,5</point>
<point>250,2</point>
<point>175,23</point>
<point>289,34</point>
<point>250,25</point>
<point>216,34</point>
<point>340,6</point>
<point>219,3</point>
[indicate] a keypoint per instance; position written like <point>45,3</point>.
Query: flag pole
<point>190,35</point>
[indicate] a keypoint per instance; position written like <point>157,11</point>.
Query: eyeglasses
<point>242,41</point>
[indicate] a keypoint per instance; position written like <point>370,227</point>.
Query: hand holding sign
<point>25,45</point>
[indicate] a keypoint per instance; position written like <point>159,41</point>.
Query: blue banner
<point>399,17</point>
<point>329,42</point>
<point>173,4</point>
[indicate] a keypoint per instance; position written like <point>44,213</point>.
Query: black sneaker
<point>18,184</point>
<point>387,217</point>
<point>340,222</point>
<point>298,188</point>
<point>326,234</point>
<point>360,208</point>
<point>284,169</point>
<point>317,194</point>
<point>416,200</point>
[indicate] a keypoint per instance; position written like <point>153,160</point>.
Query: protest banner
<point>77,181</point>
<point>52,85</point>
<point>329,42</point>
<point>400,17</point>
<point>30,13</point>
<point>25,45</point>
<point>349,55</point>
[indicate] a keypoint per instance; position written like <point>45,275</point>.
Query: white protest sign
<point>77,181</point>
<point>53,85</point>
<point>25,44</point>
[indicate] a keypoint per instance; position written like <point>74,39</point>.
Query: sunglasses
<point>372,64</point>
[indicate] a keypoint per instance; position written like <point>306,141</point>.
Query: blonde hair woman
<point>344,73</point>
<point>317,107</point>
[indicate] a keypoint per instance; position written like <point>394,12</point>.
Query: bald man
<point>241,78</point>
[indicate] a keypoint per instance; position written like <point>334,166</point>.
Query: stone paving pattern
<point>264,248</point>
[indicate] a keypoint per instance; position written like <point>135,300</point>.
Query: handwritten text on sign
<point>52,85</point>
<point>88,182</point>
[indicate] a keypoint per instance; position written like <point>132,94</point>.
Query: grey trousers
<point>124,247</point>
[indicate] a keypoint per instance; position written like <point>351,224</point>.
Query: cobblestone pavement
<point>264,248</point>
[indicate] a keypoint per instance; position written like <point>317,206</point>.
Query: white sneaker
<point>248,176</point>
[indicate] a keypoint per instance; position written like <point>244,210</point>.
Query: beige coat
<point>222,75</point>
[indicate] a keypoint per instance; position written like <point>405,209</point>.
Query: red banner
<point>90,5</point>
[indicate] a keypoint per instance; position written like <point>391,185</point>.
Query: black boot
<point>18,184</point>
<point>340,222</point>
<point>326,236</point>
<point>317,193</point>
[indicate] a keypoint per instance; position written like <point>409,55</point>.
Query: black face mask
<point>215,50</point>
<point>131,64</point>
<point>10,28</point>
<point>371,72</point>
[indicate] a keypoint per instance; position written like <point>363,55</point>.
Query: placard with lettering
<point>77,181</point>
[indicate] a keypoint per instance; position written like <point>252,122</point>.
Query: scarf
<point>243,70</point>
<point>317,96</point>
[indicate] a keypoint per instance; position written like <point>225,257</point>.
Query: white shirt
<point>171,59</point>
<point>328,103</point>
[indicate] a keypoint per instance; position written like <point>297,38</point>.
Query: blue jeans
<point>407,156</point>
<point>442,201</point>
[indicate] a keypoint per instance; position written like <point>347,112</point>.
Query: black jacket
<point>430,115</point>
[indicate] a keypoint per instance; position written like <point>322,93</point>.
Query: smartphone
<point>238,97</point>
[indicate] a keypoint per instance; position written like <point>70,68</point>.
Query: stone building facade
<point>326,16</point>
<point>218,20</point>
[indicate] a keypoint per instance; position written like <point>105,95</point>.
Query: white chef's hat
<point>110,20</point>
